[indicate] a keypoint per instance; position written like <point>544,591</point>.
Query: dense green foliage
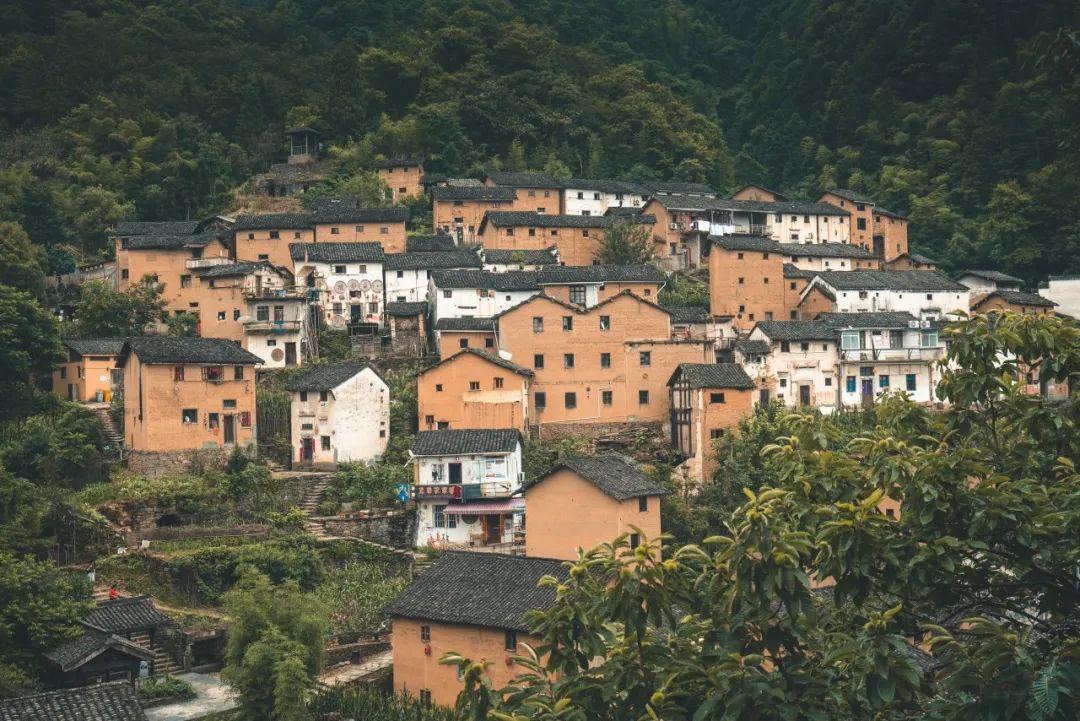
<point>40,606</point>
<point>29,346</point>
<point>157,688</point>
<point>958,111</point>
<point>101,311</point>
<point>357,594</point>
<point>980,566</point>
<point>366,703</point>
<point>275,647</point>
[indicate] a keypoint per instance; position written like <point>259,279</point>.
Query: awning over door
<point>502,505</point>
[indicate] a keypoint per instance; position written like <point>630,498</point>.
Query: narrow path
<point>348,673</point>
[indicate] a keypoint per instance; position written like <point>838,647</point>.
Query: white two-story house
<point>585,196</point>
<point>339,413</point>
<point>347,279</point>
<point>793,362</point>
<point>925,294</point>
<point>407,275</point>
<point>477,293</point>
<point>464,483</point>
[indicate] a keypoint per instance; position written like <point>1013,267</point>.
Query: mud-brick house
<point>184,394</point>
<point>584,501</point>
<point>339,413</point>
<point>404,177</point>
<point>458,210</point>
<point>707,401</point>
<point>406,324</point>
<point>469,603</point>
<point>474,389</point>
<point>90,373</point>
<point>464,483</point>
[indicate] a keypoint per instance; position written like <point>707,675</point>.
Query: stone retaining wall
<point>396,529</point>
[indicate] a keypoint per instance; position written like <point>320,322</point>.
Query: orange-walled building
<point>890,234</point>
<point>90,372</point>
<point>758,193</point>
<point>187,393</point>
<point>468,603</point>
<point>385,226</point>
<point>707,400</point>
<point>267,237</point>
<point>536,192</point>
<point>588,500</point>
<point>404,177</point>
<point>458,210</point>
<point>747,281</point>
<point>606,364</point>
<point>578,237</point>
<point>473,389</point>
<point>1017,301</point>
<point>880,231</point>
<point>170,261</point>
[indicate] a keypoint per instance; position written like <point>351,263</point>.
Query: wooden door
<point>229,424</point>
<point>290,354</point>
<point>307,450</point>
<point>804,395</point>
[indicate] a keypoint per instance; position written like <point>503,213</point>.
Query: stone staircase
<point>313,496</point>
<point>163,664</point>
<point>112,433</point>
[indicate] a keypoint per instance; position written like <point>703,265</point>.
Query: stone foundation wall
<point>396,529</point>
<point>357,652</point>
<point>595,431</point>
<point>170,463</point>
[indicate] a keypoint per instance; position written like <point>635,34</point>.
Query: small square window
<point>645,358</point>
<point>335,231</point>
<point>605,360</point>
<point>238,373</point>
<point>178,373</point>
<point>643,398</point>
<point>228,403</point>
<point>635,540</point>
<point>324,396</point>
<point>643,504</point>
<point>189,415</point>
<point>540,400</point>
<point>510,640</point>
<point>715,433</point>
<point>463,342</point>
<point>474,385</point>
<point>538,324</point>
<point>717,398</point>
<point>425,634</point>
<point>498,382</point>
<point>605,322</point>
<point>568,360</point>
<point>570,400</point>
<point>438,387</point>
<point>429,420</point>
<point>607,397</point>
<point>568,322</point>
<point>538,360</point>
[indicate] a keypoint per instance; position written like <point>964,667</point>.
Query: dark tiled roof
<point>688,315</point>
<point>825,250</point>
<point>337,252</point>
<point>604,185</point>
<point>916,280</point>
<point>599,274</point>
<point>513,280</point>
<point>755,347</point>
<point>888,213</point>
<point>164,227</point>
<point>1017,297</point>
<point>675,186</point>
<point>745,242</point>
<point>465,442</point>
<point>273,221</point>
<point>113,701</point>
<point>793,271</point>
<point>74,653</point>
<point>460,258</point>
<point>232,270</point>
<point>325,378</point>
<point>472,192</point>
<point>465,324</point>
<point>526,218</point>
<point>302,129</point>
<point>616,475</point>
<point>853,195</point>
<point>168,242</point>
<point>501,362</point>
<point>95,346</point>
<point>991,275</point>
<point>776,194</point>
<point>126,614</point>
<point>920,258</point>
<point>479,589</point>
<point>400,162</point>
<point>713,375</point>
<point>686,202</point>
<point>429,243</point>
<point>622,211</point>
<point>506,256</point>
<point>406,309</point>
<point>880,319</point>
<point>166,349</point>
<point>797,330</point>
<point>361,215</point>
<point>524,180</point>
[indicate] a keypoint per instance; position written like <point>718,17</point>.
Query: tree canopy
<point>813,603</point>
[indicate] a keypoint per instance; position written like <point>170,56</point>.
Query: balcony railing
<point>464,491</point>
<point>272,326</point>
<point>193,263</point>
<point>275,293</point>
<point>891,354</point>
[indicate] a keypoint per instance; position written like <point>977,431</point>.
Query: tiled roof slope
<point>506,256</point>
<point>406,309</point>
<point>714,375</point>
<point>112,701</point>
<point>853,195</point>
<point>616,475</point>
<point>877,319</point>
<point>796,330</point>
<point>524,180</point>
<point>429,243</point>
<point>479,589</point>
<point>324,378</point>
<point>447,259</point>
<point>465,442</point>
<point>163,227</point>
<point>917,280</point>
<point>688,315</point>
<point>599,274</point>
<point>362,215</point>
<point>273,221</point>
<point>513,280</point>
<point>465,324</point>
<point>1017,297</point>
<point>337,252</point>
<point>472,192</point>
<point>126,614</point>
<point>95,346</point>
<point>166,349</point>
<point>991,275</point>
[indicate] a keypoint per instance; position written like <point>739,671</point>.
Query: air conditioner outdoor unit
<point>925,324</point>
<point>913,324</point>
<point>673,226</point>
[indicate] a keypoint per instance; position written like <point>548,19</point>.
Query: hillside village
<point>334,341</point>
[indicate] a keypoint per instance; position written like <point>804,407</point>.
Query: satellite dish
<point>355,284</point>
<point>337,321</point>
<point>277,354</point>
<point>340,287</point>
<point>376,285</point>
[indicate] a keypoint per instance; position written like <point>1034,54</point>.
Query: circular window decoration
<point>468,518</point>
<point>277,354</point>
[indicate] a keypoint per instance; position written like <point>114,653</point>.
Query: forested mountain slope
<point>964,113</point>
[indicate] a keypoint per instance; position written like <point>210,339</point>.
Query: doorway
<point>356,313</point>
<point>290,354</point>
<point>867,392</point>
<point>307,450</point>
<point>229,424</point>
<point>73,394</point>
<point>804,395</point>
<point>493,529</point>
<point>763,397</point>
<point>455,473</point>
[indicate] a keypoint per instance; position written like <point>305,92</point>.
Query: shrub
<point>357,594</point>
<point>369,704</point>
<point>369,485</point>
<point>164,687</point>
